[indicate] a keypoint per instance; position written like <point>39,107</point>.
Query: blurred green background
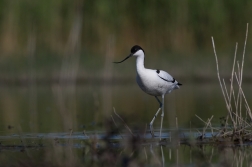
<point>56,70</point>
<point>39,34</point>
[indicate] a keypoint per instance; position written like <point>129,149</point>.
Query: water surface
<point>44,124</point>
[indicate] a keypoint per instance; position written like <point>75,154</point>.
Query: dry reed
<point>236,125</point>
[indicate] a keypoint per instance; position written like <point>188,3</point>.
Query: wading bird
<point>153,82</point>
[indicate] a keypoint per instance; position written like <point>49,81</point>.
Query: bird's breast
<point>151,84</point>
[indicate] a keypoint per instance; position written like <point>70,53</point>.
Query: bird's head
<point>135,51</point>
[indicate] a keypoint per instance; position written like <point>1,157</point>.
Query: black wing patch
<point>167,80</point>
<point>173,81</point>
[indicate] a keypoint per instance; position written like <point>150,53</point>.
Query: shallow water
<point>57,108</point>
<point>58,125</point>
<point>50,148</point>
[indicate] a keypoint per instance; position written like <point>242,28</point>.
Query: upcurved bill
<point>124,59</point>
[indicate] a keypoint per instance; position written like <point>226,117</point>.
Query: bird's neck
<point>140,63</point>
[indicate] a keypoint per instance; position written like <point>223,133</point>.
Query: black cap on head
<point>135,48</point>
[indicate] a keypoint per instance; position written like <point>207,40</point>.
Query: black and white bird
<point>153,82</point>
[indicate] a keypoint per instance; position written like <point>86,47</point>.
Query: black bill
<point>124,59</point>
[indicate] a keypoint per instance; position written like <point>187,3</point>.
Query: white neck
<point>140,63</point>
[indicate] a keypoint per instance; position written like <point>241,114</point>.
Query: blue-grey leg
<point>152,121</point>
<point>162,117</point>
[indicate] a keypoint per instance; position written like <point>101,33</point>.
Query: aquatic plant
<point>236,126</point>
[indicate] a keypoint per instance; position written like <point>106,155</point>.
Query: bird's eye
<point>135,48</point>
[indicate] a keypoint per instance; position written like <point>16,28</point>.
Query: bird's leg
<point>162,117</point>
<point>152,121</point>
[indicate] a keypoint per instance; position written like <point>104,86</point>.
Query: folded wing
<point>165,76</point>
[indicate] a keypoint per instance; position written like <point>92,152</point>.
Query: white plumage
<point>152,82</point>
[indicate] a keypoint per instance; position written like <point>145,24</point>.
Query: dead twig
<point>125,125</point>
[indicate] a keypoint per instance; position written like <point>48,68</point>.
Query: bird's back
<point>156,82</point>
